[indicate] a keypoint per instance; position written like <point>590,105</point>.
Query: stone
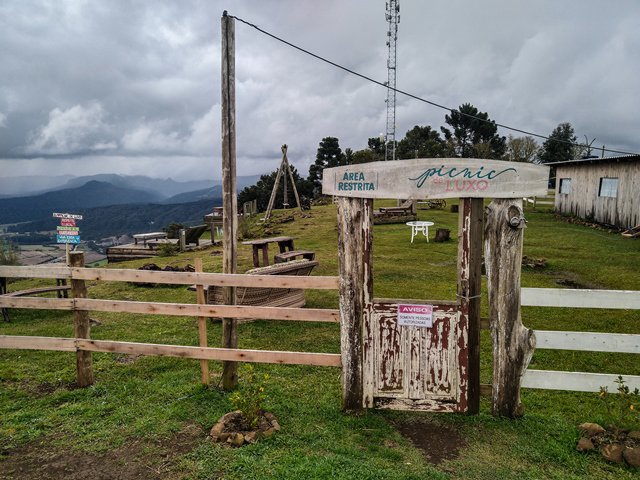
<point>216,430</point>
<point>224,436</point>
<point>236,439</point>
<point>230,416</point>
<point>268,432</point>
<point>612,452</point>
<point>585,444</point>
<point>269,416</point>
<point>632,456</point>
<point>634,435</point>
<point>251,437</point>
<point>275,425</point>
<point>590,429</point>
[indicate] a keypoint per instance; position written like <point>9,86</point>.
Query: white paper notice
<point>415,315</point>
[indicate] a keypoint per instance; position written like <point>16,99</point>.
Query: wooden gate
<point>431,364</point>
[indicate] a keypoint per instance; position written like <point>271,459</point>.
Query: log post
<point>469,286</point>
<point>513,344</point>
<point>355,220</point>
<point>229,194</point>
<point>202,325</point>
<point>81,325</point>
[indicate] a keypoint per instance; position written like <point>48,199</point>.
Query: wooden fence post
<point>202,324</point>
<point>229,194</point>
<point>81,325</point>
<point>355,220</point>
<point>513,344</point>
<point>469,286</point>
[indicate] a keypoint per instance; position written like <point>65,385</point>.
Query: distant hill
<point>72,200</point>
<point>30,184</point>
<point>101,222</point>
<point>197,195</point>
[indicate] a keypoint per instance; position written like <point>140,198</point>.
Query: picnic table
<point>148,236</point>
<point>262,244</point>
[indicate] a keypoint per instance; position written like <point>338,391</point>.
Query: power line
<point>415,97</point>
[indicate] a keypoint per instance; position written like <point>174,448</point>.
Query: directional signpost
<point>68,232</point>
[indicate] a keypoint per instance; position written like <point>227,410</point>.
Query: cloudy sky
<point>133,87</point>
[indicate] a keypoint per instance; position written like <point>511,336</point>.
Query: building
<point>604,190</point>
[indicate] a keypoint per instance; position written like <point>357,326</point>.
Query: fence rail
<point>581,341</point>
<point>80,305</point>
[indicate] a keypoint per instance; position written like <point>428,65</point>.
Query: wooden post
<point>182,239</point>
<point>513,344</point>
<point>355,220</point>
<point>229,194</point>
<point>202,325</point>
<point>469,285</point>
<point>81,325</point>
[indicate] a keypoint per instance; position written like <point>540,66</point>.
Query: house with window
<point>605,190</point>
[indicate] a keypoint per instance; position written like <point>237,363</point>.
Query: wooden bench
<point>293,254</point>
<point>148,236</point>
<point>61,290</point>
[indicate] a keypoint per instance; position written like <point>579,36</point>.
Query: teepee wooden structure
<point>283,170</point>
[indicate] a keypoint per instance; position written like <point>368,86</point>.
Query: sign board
<point>67,238</point>
<point>415,315</point>
<point>67,232</point>
<point>423,178</point>
<point>67,215</point>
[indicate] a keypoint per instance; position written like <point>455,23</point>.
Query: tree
<point>421,142</point>
<point>474,134</point>
<point>261,191</point>
<point>559,146</point>
<point>329,155</point>
<point>521,149</point>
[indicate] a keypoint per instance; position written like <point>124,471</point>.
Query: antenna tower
<point>393,18</point>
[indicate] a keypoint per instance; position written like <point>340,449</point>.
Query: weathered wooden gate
<point>415,354</point>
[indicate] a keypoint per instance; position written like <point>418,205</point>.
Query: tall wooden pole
<point>229,195</point>
<point>81,325</point>
<point>355,221</point>
<point>469,284</point>
<point>202,325</point>
<point>513,344</point>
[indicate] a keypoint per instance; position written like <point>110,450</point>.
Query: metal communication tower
<point>393,17</point>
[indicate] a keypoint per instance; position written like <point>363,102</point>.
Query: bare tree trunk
<point>513,344</point>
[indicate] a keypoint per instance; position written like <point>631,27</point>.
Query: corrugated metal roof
<point>619,158</point>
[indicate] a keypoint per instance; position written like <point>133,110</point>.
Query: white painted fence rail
<point>581,341</point>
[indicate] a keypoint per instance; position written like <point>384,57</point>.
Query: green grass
<point>153,398</point>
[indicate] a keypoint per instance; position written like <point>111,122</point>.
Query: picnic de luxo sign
<point>67,231</point>
<point>436,178</point>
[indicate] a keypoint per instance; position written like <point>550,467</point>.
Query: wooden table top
<point>265,241</point>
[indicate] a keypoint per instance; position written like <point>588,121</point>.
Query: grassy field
<point>148,417</point>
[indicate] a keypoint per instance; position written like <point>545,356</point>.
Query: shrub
<point>623,406</point>
<point>250,396</point>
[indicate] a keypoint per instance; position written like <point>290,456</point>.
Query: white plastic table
<point>420,227</point>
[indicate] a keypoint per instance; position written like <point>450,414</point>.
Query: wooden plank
<point>37,343</point>
<point>588,341</point>
<point>469,285</point>
<point>576,381</point>
<point>37,291</point>
<point>181,351</point>
<point>220,311</point>
<point>36,302</point>
<point>355,221</point>
<point>202,325</point>
<point>177,278</point>
<point>34,272</point>
<point>561,297</point>
<point>486,390</point>
<point>425,178</point>
<point>81,324</point>
<point>221,279</point>
<point>175,309</point>
<point>513,344</point>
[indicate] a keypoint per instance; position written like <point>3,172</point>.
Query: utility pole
<point>393,18</point>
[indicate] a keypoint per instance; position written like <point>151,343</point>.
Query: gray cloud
<point>134,87</point>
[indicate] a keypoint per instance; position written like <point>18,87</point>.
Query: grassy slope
<point>155,397</point>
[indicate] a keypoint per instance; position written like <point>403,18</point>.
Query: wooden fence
<point>80,305</point>
<point>581,341</point>
<point>545,201</point>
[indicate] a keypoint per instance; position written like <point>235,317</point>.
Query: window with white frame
<point>608,187</point>
<point>565,185</point>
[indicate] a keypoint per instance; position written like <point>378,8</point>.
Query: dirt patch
<point>127,358</point>
<point>437,442</point>
<point>135,460</point>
